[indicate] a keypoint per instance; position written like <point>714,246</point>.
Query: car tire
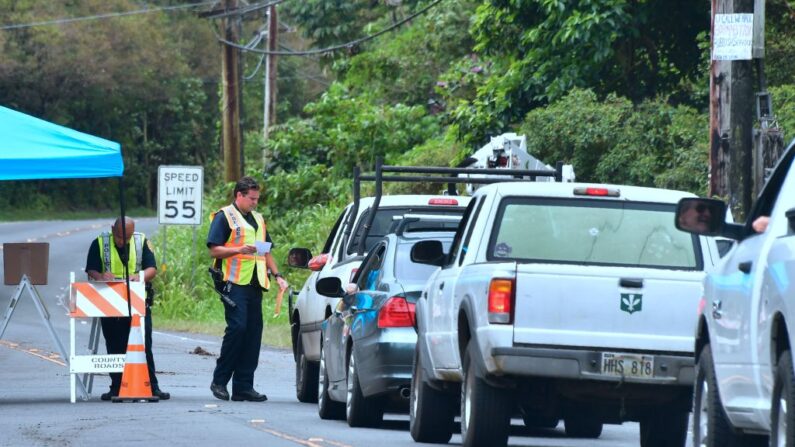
<point>665,427</point>
<point>306,375</point>
<point>431,412</point>
<point>327,408</point>
<point>582,425</point>
<point>782,414</point>
<point>360,411</point>
<point>485,410</point>
<point>711,427</point>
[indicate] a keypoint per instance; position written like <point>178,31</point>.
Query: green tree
<point>531,52</point>
<point>615,141</point>
<point>128,79</point>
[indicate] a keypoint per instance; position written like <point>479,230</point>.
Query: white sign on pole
<point>179,195</point>
<point>733,37</point>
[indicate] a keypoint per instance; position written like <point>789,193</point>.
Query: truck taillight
<point>501,301</point>
<point>396,312</point>
<point>316,264</point>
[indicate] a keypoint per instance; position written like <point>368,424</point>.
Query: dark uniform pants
<point>242,339</point>
<point>117,333</point>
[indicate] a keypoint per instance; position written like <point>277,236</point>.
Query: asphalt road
<point>34,382</point>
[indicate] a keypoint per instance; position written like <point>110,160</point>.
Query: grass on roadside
<point>273,334</point>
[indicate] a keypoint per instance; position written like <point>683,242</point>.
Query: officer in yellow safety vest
<point>105,263</point>
<point>239,242</point>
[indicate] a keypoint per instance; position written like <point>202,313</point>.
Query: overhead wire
<point>328,49</point>
<point>102,16</point>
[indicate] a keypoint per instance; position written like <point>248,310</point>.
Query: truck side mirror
<point>330,287</point>
<point>791,220</point>
<point>299,257</point>
<point>705,217</point>
<point>428,252</point>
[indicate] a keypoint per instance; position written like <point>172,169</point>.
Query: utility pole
<point>269,79</point>
<point>731,116</point>
<point>740,156</point>
<point>231,137</point>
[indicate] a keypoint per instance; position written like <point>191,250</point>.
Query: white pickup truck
<point>560,301</point>
<point>745,382</point>
<point>357,229</point>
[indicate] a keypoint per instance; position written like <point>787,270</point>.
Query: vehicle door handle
<point>632,283</point>
<point>745,267</point>
<point>441,286</point>
<point>716,310</point>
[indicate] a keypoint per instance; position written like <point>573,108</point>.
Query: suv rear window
<point>592,232</point>
<point>382,224</point>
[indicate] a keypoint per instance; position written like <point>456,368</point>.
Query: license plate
<point>627,365</point>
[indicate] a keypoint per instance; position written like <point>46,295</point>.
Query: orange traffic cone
<point>135,386</point>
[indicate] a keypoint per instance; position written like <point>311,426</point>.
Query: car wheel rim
<point>414,392</point>
<point>321,391</point>
<point>466,399</point>
<point>349,392</point>
<point>781,429</point>
<point>703,421</point>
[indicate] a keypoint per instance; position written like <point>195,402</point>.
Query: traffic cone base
<point>135,385</point>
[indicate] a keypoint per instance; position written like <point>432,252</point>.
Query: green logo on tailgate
<point>631,302</point>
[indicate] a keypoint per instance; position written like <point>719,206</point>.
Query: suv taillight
<point>396,312</point>
<point>501,301</point>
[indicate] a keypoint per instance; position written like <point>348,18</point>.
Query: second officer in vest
<point>234,234</point>
<point>105,263</point>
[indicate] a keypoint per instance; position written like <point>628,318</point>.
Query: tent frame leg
<point>45,317</point>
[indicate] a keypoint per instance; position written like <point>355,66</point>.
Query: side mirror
<point>299,257</point>
<point>791,220</point>
<point>428,252</point>
<point>330,287</point>
<point>705,217</point>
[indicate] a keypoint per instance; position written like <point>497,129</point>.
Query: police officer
<point>105,263</point>
<point>232,239</point>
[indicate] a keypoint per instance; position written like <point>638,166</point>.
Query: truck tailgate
<point>585,306</point>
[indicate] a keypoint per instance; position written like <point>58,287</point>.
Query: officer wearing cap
<point>105,262</point>
<point>232,241</point>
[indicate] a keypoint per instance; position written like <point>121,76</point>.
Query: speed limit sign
<point>179,192</point>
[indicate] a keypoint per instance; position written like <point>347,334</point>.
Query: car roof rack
<point>430,175</point>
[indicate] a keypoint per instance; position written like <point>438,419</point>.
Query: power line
<point>328,49</point>
<point>102,16</point>
<point>240,11</point>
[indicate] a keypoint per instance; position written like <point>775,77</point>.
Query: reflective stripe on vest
<point>239,269</point>
<point>111,261</point>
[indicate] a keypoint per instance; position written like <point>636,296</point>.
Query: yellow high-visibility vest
<point>240,268</point>
<point>111,261</point>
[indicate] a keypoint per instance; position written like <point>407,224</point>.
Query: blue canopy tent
<point>32,149</point>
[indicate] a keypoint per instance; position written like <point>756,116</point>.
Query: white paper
<point>263,247</point>
<point>733,37</point>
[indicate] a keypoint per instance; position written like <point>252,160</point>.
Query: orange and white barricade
<point>97,300</point>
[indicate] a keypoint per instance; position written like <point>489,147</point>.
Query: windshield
<point>382,224</point>
<point>407,271</point>
<point>594,232</point>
